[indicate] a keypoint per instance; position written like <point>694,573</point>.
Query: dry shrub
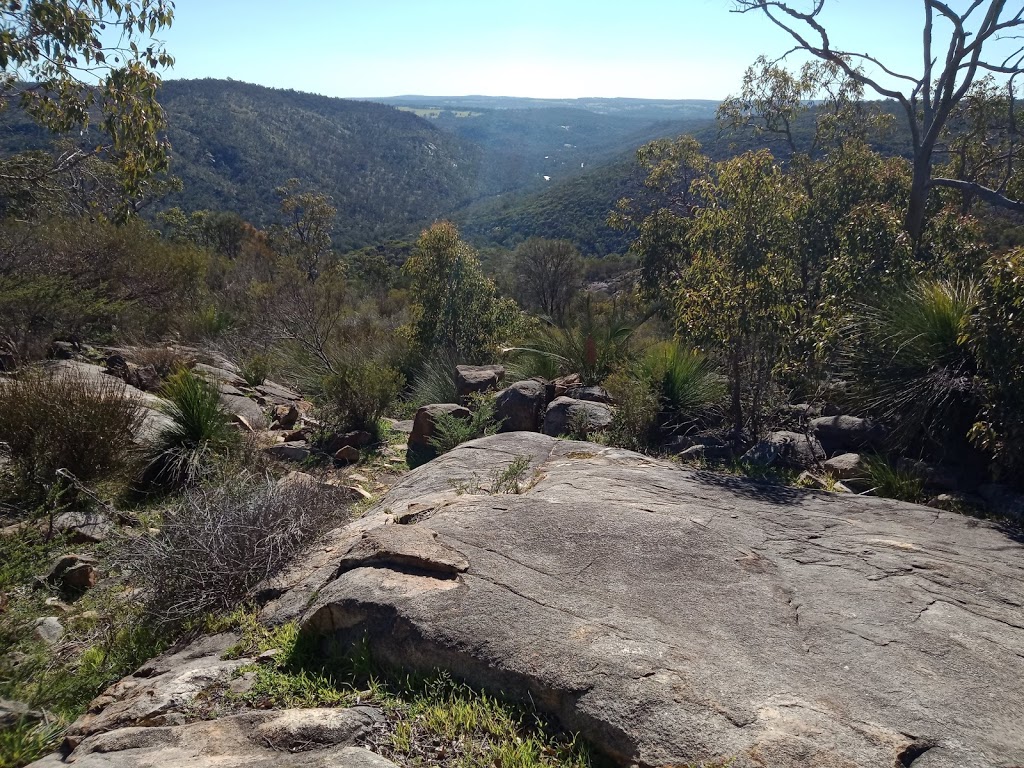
<point>218,543</point>
<point>54,420</point>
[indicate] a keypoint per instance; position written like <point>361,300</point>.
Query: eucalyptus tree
<point>961,44</point>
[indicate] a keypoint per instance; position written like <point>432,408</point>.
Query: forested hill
<point>388,171</point>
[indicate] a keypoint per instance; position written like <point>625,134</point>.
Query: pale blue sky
<point>571,48</point>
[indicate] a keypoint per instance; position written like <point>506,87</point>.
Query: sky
<point>686,49</point>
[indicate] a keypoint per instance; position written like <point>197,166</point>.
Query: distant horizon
<point>653,50</point>
<point>450,96</point>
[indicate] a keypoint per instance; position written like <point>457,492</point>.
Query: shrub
<point>61,420</point>
<point>165,360</point>
<point>218,543</point>
<point>636,413</point>
<point>435,381</point>
<point>999,334</point>
<point>451,431</point>
<point>912,361</point>
<point>255,369</point>
<point>894,482</point>
<point>685,381</point>
<point>358,396</point>
<point>594,349</point>
<point>199,429</point>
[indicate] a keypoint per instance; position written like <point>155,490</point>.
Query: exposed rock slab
<point>311,738</point>
<point>675,616</point>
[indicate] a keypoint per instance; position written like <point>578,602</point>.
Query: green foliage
<point>255,369</point>
<point>911,354</point>
<point>200,429</point>
<point>512,478</point>
<point>82,73</point>
<point>636,414</point>
<point>450,431</point>
<point>481,730</point>
<point>359,395</point>
<point>999,334</point>
<point>27,741</point>
<point>685,380</point>
<point>456,307</point>
<point>894,482</point>
<point>304,236</point>
<point>735,293</point>
<point>55,420</point>
<point>435,382</point>
<point>593,348</point>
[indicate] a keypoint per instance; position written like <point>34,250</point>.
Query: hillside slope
<point>388,171</point>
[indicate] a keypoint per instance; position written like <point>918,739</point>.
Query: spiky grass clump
<point>894,482</point>
<point>435,382</point>
<point>594,349</point>
<point>685,379</point>
<point>199,429</point>
<point>911,357</point>
<point>54,420</point>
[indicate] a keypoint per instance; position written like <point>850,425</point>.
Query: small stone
<point>286,415</point>
<point>294,451</point>
<point>347,455</point>
<point>268,657</point>
<point>48,630</point>
<point>73,573</point>
<point>242,685</point>
<point>811,480</point>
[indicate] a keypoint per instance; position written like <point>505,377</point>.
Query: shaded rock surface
<point>477,378</point>
<point>786,449</point>
<point>676,616</point>
<point>563,411</point>
<point>841,434</point>
<point>519,407</point>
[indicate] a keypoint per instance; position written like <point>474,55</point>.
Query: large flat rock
<point>675,616</point>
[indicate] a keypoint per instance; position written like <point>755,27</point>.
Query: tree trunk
<point>919,187</point>
<point>737,401</point>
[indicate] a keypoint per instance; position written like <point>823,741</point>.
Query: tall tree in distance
<point>548,275</point>
<point>959,48</point>
<point>70,63</point>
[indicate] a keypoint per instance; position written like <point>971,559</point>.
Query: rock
<point>797,415</point>
<point>693,453</point>
<point>162,691</point>
<point>83,527</point>
<point>518,408</point>
<point>347,455</point>
<point>242,684</point>
<point>561,385</point>
<point>591,394</point>
<point>677,617</point>
<point>73,573</point>
<point>246,408</point>
<point>285,416</point>
<point>402,426</point>
<point>291,738</point>
<point>357,439</point>
<point>786,449</point>
<point>563,410</point>
<point>62,350</point>
<point>846,466</point>
<point>295,451</point>
<point>1003,501</point>
<point>8,362</point>
<point>14,712</point>
<point>48,629</point>
<point>842,434</point>
<point>419,447</point>
<point>277,394</point>
<point>957,502</point>
<point>470,379</point>
<point>219,374</point>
